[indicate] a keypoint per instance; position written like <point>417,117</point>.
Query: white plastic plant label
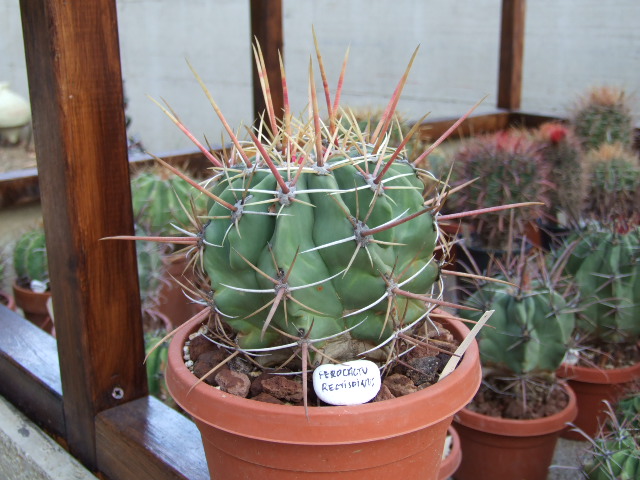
<point>349,383</point>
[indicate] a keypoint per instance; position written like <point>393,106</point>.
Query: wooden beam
<point>29,371</point>
<point>75,83</point>
<point>147,440</point>
<point>266,27</point>
<point>511,54</point>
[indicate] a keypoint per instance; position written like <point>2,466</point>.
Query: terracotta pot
<point>451,462</point>
<point>497,448</point>
<point>172,302</point>
<point>399,438</point>
<point>592,387</point>
<point>34,306</point>
<point>8,301</point>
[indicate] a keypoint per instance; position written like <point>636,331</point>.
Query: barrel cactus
<point>613,187</point>
<point>506,167</point>
<point>30,260</point>
<point>561,152</point>
<point>319,243</point>
<point>603,115</point>
<point>532,325</point>
<point>162,201</point>
<point>605,267</point>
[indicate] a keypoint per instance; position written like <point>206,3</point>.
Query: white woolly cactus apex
<point>319,244</point>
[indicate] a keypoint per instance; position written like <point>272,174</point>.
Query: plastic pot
<point>498,448</point>
<point>399,438</point>
<point>34,306</point>
<point>592,387</point>
<point>451,462</point>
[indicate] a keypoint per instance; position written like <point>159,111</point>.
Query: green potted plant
<point>163,205</point>
<point>603,262</point>
<point>31,285</point>
<point>319,251</point>
<point>504,168</point>
<point>511,427</point>
<point>603,115</point>
<point>561,151</point>
<point>614,453</point>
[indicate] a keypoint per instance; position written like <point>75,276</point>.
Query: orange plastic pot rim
<point>599,375</point>
<point>324,425</point>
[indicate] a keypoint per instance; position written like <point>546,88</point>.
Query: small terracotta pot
<point>172,302</point>
<point>498,448</point>
<point>398,438</point>
<point>593,386</point>
<point>451,462</point>
<point>8,301</point>
<point>34,306</point>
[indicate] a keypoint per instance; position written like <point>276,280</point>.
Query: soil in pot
<point>395,438</point>
<point>507,448</point>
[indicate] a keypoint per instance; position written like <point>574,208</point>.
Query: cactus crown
<point>613,188</point>
<point>532,322</point>
<point>562,153</point>
<point>603,115</point>
<point>507,168</point>
<point>30,258</point>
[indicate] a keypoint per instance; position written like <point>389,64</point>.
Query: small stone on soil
<point>424,370</point>
<point>400,385</point>
<point>383,394</point>
<point>266,398</point>
<point>283,388</point>
<point>235,383</point>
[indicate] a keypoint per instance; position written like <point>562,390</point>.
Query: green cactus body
<point>605,266</point>
<point>616,457</point>
<point>30,257</point>
<point>336,277</point>
<point>157,199</point>
<point>150,268</point>
<point>529,330</point>
<point>613,187</point>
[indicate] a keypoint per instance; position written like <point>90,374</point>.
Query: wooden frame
<point>105,417</point>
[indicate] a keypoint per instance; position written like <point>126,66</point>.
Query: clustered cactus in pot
<point>30,261</point>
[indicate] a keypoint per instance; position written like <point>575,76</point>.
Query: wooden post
<point>75,83</point>
<point>511,54</point>
<point>266,27</point>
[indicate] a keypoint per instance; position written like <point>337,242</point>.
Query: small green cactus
<point>150,269</point>
<point>30,260</point>
<point>605,267</point>
<point>562,153</point>
<point>507,168</point>
<point>603,115</point>
<point>615,452</point>
<point>530,329</point>
<point>613,187</point>
<point>162,202</point>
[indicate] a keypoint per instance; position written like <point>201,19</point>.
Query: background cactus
<point>605,267</point>
<point>613,187</point>
<point>507,168</point>
<point>161,199</point>
<point>561,152</point>
<point>532,325</point>
<point>615,452</point>
<point>30,259</point>
<point>603,115</point>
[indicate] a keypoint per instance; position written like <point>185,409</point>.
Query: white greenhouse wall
<point>570,45</point>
